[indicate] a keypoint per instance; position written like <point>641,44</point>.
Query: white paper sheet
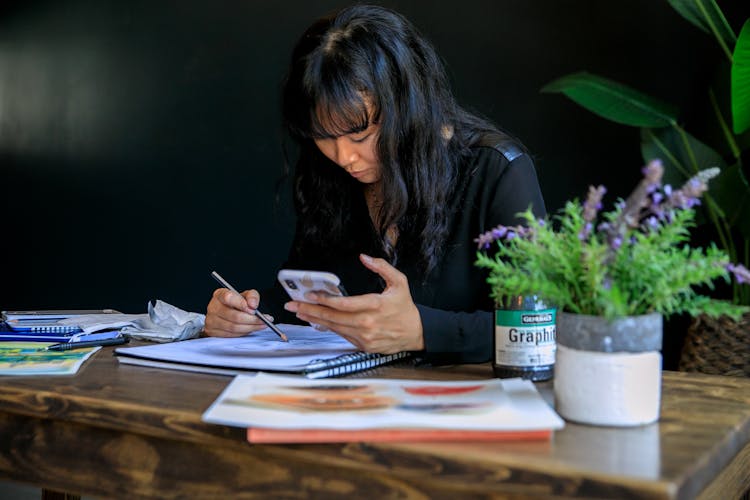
<point>261,350</point>
<point>284,402</point>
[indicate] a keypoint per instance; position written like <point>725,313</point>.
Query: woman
<point>393,183</point>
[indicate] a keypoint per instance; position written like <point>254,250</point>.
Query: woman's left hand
<point>385,323</point>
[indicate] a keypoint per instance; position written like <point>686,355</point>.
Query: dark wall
<point>139,141</point>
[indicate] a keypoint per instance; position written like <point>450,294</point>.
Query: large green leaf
<point>684,155</point>
<point>614,101</point>
<point>706,15</point>
<point>741,81</point>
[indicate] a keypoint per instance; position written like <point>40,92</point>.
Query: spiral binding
<point>55,329</point>
<point>350,363</point>
<point>42,326</point>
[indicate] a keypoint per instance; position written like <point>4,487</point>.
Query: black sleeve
<point>495,196</point>
<point>515,191</point>
<point>456,337</point>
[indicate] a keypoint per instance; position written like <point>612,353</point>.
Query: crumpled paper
<point>163,323</point>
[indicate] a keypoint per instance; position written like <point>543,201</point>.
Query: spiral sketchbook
<point>9,334</point>
<point>309,352</point>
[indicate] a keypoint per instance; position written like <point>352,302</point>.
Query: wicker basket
<point>717,346</point>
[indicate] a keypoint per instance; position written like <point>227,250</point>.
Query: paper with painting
<point>353,405</point>
<point>25,358</point>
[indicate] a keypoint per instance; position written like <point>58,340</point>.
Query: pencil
<point>259,314</point>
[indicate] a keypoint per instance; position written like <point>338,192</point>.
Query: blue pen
<point>67,346</point>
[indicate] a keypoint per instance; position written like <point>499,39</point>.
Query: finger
<point>353,303</point>
<point>363,334</point>
<point>344,333</point>
<point>391,275</point>
<point>321,314</point>
<point>359,339</point>
<point>360,325</point>
<point>231,299</point>
<point>219,327</point>
<point>252,298</point>
<point>230,307</point>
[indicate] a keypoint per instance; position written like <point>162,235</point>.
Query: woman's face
<point>356,153</point>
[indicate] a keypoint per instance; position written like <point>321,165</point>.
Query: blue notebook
<point>8,333</point>
<point>41,326</point>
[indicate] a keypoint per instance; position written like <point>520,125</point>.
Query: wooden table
<point>126,431</point>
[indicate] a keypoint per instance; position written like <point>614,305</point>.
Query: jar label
<point>525,338</point>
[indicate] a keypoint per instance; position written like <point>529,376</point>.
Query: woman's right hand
<point>232,315</point>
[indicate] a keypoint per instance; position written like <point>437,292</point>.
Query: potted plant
<point>726,212</point>
<point>612,276</point>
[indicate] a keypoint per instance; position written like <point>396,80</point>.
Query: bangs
<point>339,108</point>
<point>330,119</point>
<point>333,93</point>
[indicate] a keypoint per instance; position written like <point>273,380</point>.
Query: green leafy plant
<point>634,259</point>
<point>727,207</point>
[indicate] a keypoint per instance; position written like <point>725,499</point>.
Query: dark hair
<point>371,51</point>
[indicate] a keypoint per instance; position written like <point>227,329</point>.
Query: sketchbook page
<point>283,402</point>
<point>261,350</point>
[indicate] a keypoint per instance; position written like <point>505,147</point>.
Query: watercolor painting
<point>25,358</point>
<point>327,397</point>
<point>268,401</point>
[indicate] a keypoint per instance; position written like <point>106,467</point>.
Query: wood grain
<point>127,431</point>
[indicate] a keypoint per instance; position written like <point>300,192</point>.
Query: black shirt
<point>494,184</point>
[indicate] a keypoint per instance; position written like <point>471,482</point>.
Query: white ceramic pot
<point>608,372</point>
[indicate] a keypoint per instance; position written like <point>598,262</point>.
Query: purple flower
<point>688,195</point>
<point>499,232</point>
<point>653,172</point>
<point>583,235</point>
<point>593,202</point>
<point>741,273</point>
<point>485,240</point>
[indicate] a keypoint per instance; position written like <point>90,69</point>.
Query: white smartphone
<point>298,282</point>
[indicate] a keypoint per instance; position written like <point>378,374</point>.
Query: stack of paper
<point>283,409</point>
<point>49,325</point>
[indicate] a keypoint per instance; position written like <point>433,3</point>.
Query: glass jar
<point>524,342</point>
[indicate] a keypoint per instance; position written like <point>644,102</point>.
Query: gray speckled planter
<point>608,373</point>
